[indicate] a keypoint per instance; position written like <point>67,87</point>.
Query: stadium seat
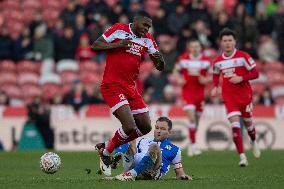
<point>275,77</point>
<point>49,90</point>
<point>89,78</point>
<point>7,66</point>
<point>89,66</point>
<point>277,91</point>
<point>68,77</point>
<point>50,78</point>
<point>12,90</point>
<point>30,90</point>
<point>31,4</point>
<point>28,66</point>
<point>8,78</point>
<point>28,78</point>
<point>210,52</point>
<point>67,65</point>
<point>273,66</point>
<point>258,87</point>
<point>12,5</point>
<point>279,100</point>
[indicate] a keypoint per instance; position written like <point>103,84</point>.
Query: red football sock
<point>118,139</point>
<point>238,140</point>
<point>251,132</point>
<point>192,135</point>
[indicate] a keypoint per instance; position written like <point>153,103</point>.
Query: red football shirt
<point>122,64</point>
<point>191,68</point>
<point>238,64</point>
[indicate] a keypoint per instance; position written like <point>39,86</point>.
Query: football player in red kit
<point>236,68</point>
<point>125,46</point>
<point>191,72</point>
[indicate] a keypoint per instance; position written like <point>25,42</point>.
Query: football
<point>50,162</point>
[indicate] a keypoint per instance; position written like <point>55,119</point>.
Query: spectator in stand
<point>23,46</point>
<point>43,47</point>
<point>65,46</point>
<point>97,97</point>
<point>160,22</point>
<point>57,99</point>
<point>115,12</point>
<point>266,98</point>
<point>80,25</point>
<point>279,28</point>
<point>154,85</point>
<point>84,51</point>
<point>77,97</point>
<point>69,13</point>
<point>4,99</point>
<point>6,44</point>
<point>39,114</point>
<point>178,19</point>
<point>168,50</point>
<point>268,50</point>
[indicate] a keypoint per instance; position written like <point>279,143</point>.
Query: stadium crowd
<point>45,46</point>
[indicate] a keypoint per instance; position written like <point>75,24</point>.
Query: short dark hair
<point>226,32</point>
<point>165,119</point>
<point>142,13</point>
<point>192,40</point>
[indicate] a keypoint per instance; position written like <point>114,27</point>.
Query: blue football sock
<point>144,164</point>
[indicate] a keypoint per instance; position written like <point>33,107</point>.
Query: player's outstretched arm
<point>101,44</point>
<point>158,60</point>
<point>181,175</point>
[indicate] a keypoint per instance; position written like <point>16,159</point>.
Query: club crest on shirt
<point>121,97</point>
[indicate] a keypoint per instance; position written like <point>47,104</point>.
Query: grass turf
<point>217,169</point>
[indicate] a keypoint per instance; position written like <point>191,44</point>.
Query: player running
<point>152,157</point>
<point>125,45</point>
<point>191,72</point>
<point>236,68</point>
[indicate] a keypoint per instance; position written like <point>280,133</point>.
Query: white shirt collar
<point>229,57</point>
<point>129,25</point>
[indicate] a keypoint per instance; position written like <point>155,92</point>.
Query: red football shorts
<point>117,96</point>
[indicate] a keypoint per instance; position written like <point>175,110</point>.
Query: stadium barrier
<point>81,131</point>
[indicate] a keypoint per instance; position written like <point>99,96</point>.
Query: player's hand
<point>236,79</point>
<point>203,80</point>
<point>215,91</point>
<point>185,177</point>
<point>125,43</point>
<point>180,81</point>
<point>157,55</point>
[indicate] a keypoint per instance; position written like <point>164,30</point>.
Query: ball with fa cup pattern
<point>50,162</point>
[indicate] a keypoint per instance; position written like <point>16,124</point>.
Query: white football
<point>50,162</point>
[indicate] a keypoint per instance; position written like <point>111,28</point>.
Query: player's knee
<point>129,128</point>
<point>146,128</point>
<point>248,122</point>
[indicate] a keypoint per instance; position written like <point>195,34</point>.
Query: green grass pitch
<point>217,169</point>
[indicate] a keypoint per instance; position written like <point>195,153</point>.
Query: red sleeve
<point>249,63</point>
<point>216,73</point>
<point>107,35</point>
<point>253,74</point>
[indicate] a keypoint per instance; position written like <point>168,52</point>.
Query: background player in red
<point>236,68</point>
<point>191,71</point>
<point>125,45</point>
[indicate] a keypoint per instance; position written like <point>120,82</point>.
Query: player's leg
<point>141,116</point>
<point>248,123</point>
<point>147,162</point>
<point>237,138</point>
<point>119,105</point>
<point>190,110</point>
<point>233,116</point>
<point>120,137</point>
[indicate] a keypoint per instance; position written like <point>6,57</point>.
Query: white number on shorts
<point>249,108</point>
